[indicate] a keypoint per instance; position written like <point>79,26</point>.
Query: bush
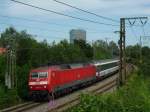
<point>8,97</point>
<point>22,81</point>
<point>134,97</point>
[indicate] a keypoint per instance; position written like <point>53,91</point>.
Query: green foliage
<point>31,54</point>
<point>8,97</point>
<point>133,52</point>
<point>145,64</point>
<point>104,51</point>
<point>85,48</point>
<point>2,69</point>
<point>101,50</point>
<point>113,49</point>
<point>22,81</point>
<point>134,97</point>
<point>139,57</point>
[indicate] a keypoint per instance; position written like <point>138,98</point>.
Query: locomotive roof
<point>46,67</point>
<point>75,65</point>
<point>62,66</point>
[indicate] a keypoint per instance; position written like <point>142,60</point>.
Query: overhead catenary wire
<point>32,20</point>
<point>142,26</point>
<point>143,30</point>
<point>48,30</point>
<point>133,32</point>
<point>49,23</point>
<point>62,14</point>
<point>86,11</point>
<point>33,28</point>
<point>36,35</point>
<point>41,29</point>
<point>46,36</point>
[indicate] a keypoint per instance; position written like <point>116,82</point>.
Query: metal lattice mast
<point>10,75</point>
<point>122,73</point>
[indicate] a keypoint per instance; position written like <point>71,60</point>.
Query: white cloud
<point>106,7</point>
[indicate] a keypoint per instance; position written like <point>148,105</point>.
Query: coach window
<point>107,66</point>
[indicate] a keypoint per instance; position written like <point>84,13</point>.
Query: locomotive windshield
<point>42,74</point>
<point>34,75</point>
<point>39,75</point>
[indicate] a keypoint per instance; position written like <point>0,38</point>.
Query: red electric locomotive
<point>45,80</point>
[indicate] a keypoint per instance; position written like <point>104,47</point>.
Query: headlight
<point>31,87</point>
<point>44,86</point>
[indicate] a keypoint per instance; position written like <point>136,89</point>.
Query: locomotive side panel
<point>70,77</point>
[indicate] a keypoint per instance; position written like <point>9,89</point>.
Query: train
<point>48,80</point>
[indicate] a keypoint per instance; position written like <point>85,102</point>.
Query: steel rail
<point>76,100</point>
<point>21,107</point>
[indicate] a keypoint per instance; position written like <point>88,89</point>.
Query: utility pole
<point>10,76</point>
<point>122,51</point>
<point>122,72</point>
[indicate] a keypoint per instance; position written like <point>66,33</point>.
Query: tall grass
<point>133,97</point>
<point>8,97</point>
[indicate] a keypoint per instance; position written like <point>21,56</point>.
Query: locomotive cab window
<point>43,74</point>
<point>34,75</point>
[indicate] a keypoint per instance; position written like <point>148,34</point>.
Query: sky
<point>52,27</point>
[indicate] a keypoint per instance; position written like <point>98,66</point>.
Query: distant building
<point>2,50</point>
<point>77,34</point>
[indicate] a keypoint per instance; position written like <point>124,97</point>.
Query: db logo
<point>37,80</point>
<point>78,75</point>
<point>53,74</point>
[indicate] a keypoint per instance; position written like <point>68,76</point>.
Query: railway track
<point>21,107</point>
<point>106,85</point>
<point>68,101</point>
<point>63,103</point>
<point>74,99</point>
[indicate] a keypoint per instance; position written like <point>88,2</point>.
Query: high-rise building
<point>77,34</point>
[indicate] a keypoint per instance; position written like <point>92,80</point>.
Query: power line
<point>33,28</point>
<point>46,22</point>
<point>143,30</point>
<point>86,11</point>
<point>47,30</point>
<point>133,32</point>
<point>47,36</point>
<point>33,20</point>
<point>59,13</point>
<point>39,35</point>
<point>36,35</point>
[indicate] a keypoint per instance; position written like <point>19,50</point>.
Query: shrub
<point>8,97</point>
<point>134,97</point>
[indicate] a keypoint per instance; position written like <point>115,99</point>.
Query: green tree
<point>31,54</point>
<point>101,50</point>
<point>2,69</point>
<point>113,48</point>
<point>85,48</point>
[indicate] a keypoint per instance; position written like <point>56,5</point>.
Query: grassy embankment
<point>133,97</point>
<point>8,97</point>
